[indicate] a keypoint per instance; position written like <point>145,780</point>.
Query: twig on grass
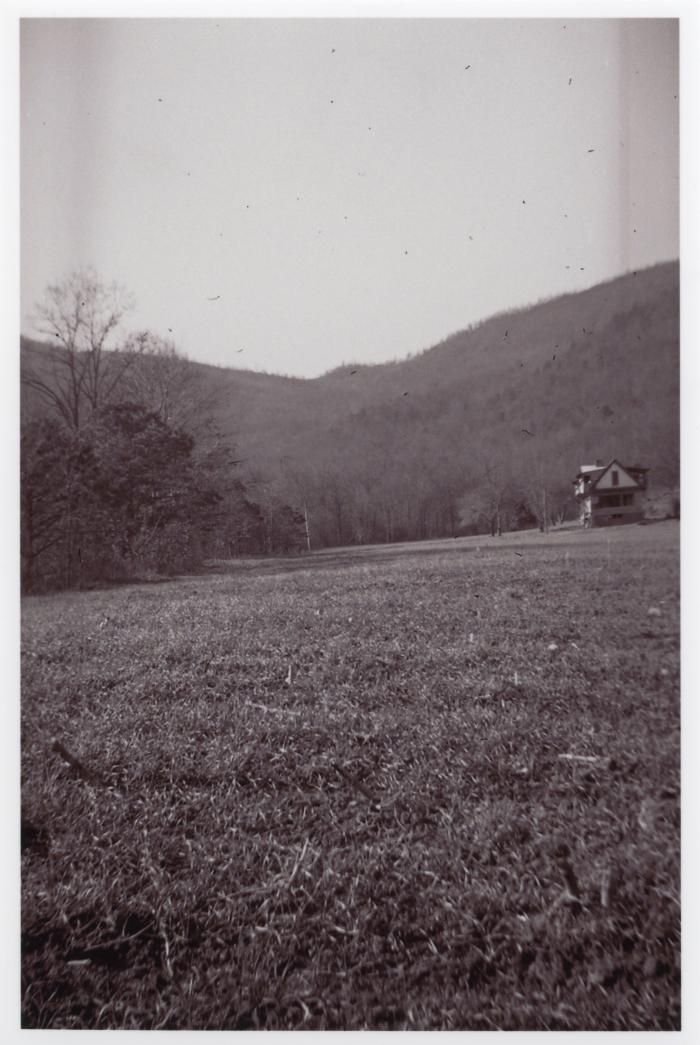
<point>570,878</point>
<point>166,955</point>
<point>278,882</point>
<point>301,856</point>
<point>356,783</point>
<point>78,767</point>
<point>101,951</point>
<point>668,896</point>
<point>608,886</point>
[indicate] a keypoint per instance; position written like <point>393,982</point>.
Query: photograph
<point>349,522</point>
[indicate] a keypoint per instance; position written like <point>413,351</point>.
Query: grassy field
<point>433,786</point>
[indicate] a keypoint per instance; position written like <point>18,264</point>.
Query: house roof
<point>596,472</point>
<point>589,471</point>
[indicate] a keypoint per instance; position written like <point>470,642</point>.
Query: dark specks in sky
<point>526,431</point>
<point>405,393</point>
<point>302,221</point>
<point>214,299</point>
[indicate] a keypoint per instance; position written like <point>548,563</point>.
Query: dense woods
<point>135,460</point>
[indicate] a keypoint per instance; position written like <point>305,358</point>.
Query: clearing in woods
<point>427,786</point>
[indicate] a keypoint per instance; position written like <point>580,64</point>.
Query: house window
<point>615,478</point>
<point>627,498</point>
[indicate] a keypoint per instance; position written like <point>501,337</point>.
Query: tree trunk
<point>306,527</point>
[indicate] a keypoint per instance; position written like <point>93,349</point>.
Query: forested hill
<point>422,446</point>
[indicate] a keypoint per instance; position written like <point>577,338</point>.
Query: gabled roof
<point>595,473</point>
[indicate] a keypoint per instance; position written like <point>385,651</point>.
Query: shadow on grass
<point>371,556</point>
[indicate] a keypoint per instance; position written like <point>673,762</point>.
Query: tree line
<point>379,497</point>
<point>123,471</point>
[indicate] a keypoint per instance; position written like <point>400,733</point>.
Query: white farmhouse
<point>610,494</point>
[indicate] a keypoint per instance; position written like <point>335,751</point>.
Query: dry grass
<point>427,787</point>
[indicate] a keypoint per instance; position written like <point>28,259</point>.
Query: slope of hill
<point>540,390</point>
<point>615,346</point>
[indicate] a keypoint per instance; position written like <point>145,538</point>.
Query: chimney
<point>598,463</point>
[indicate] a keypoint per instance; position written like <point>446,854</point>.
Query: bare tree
<point>544,482</point>
<point>300,483</point>
<point>493,497</point>
<point>81,316</point>
<point>165,381</point>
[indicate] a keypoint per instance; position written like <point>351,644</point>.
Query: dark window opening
<point>610,500</point>
<point>615,478</point>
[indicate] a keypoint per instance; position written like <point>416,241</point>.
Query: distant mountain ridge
<point>615,345</point>
<point>587,375</point>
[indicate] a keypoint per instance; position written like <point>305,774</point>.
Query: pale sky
<point>348,189</point>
